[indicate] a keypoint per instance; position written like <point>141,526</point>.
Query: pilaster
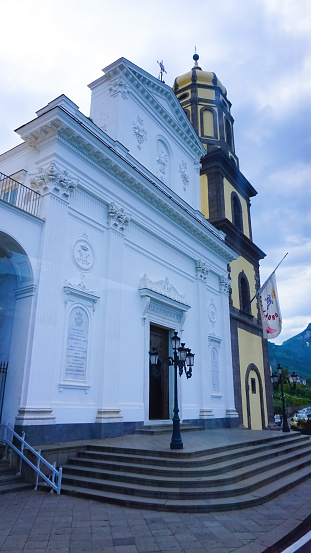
<point>56,187</point>
<point>109,409</point>
<point>224,288</point>
<point>202,270</point>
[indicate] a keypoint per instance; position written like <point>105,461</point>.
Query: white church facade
<point>104,254</point>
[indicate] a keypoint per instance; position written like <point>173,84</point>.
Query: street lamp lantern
<point>153,356</point>
<point>278,378</point>
<point>175,341</point>
<point>182,352</point>
<point>182,358</point>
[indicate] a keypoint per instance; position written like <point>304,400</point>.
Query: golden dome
<point>200,77</point>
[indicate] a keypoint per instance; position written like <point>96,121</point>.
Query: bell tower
<point>225,202</point>
<point>204,100</point>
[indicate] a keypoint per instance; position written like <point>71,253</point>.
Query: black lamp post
<point>182,359</point>
<point>277,379</point>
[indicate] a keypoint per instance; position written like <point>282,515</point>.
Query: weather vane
<point>162,71</point>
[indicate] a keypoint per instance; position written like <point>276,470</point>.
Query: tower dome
<point>204,100</point>
<point>196,75</point>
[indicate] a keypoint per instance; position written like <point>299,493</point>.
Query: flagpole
<point>264,284</point>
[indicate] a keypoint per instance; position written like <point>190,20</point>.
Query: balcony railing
<point>19,195</point>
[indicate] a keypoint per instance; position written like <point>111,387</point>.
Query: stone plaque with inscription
<point>77,340</point>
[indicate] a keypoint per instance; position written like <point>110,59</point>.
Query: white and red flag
<point>270,309</point>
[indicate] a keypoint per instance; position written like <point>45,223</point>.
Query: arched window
<point>244,293</point>
<point>237,217</point>
<point>228,133</point>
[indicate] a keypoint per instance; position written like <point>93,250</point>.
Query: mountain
<point>294,354</point>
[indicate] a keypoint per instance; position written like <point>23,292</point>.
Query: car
<point>277,420</point>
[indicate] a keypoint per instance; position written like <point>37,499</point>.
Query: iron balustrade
<point>19,195</point>
<point>7,435</point>
<point>3,373</point>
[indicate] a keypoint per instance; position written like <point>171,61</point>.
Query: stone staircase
<point>234,476</point>
<point>10,481</point>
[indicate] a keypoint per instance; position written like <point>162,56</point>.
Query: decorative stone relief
<point>117,218</point>
<point>139,131</point>
<point>214,348</point>
<point>215,369</point>
<point>162,162</point>
<point>225,284</point>
<point>80,291</point>
<point>184,174</point>
<point>162,287</point>
<point>212,312</point>
<point>77,345</point>
<point>53,181</point>
<point>83,254</point>
<point>202,269</point>
<point>119,87</point>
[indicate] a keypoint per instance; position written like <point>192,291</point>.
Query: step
<point>173,471</point>
<point>180,464</point>
<point>191,456</point>
<point>10,481</point>
<point>245,500</point>
<point>248,484</point>
<point>187,478</point>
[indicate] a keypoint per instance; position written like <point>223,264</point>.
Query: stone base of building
<point>48,434</point>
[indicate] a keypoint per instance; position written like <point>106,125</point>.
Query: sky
<point>259,49</point>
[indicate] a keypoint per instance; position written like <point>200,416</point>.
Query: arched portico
<point>16,297</point>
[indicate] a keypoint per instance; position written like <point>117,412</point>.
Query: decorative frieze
<point>117,218</point>
<point>201,269</point>
<point>184,175</point>
<point>53,181</point>
<point>119,87</point>
<point>139,131</point>
<point>225,284</point>
<point>162,287</point>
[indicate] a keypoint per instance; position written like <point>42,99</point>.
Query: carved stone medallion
<point>83,254</point>
<point>212,312</point>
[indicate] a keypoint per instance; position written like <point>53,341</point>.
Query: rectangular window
<point>253,385</point>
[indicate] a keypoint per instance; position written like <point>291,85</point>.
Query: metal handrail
<point>19,195</point>
<point>54,473</point>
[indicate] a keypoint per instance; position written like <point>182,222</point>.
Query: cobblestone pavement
<point>38,522</point>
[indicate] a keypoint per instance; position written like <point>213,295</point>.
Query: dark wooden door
<point>159,379</point>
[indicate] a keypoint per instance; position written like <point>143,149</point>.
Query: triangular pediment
<point>129,79</point>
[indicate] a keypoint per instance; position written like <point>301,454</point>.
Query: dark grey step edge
<point>242,502</point>
<point>210,458</point>
<point>249,485</point>
<point>198,453</point>
<point>184,480</point>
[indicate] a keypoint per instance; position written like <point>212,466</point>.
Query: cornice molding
<point>99,149</point>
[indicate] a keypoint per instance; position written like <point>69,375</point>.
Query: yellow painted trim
<point>237,266</point>
<point>250,351</point>
<point>228,189</point>
<point>204,195</point>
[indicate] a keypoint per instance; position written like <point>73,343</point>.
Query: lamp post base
<point>176,441</point>
<point>176,445</point>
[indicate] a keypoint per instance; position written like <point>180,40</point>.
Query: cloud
<point>260,50</point>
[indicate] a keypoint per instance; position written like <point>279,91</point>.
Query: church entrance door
<point>159,379</point>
